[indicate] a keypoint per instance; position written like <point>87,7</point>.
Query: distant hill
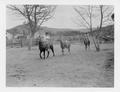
<point>56,31</point>
<point>19,29</point>
<point>106,31</point>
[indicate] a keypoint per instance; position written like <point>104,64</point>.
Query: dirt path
<point>79,69</point>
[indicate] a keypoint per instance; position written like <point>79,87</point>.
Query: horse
<point>86,43</point>
<point>45,46</point>
<point>65,45</point>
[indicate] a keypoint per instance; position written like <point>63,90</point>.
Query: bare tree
<point>105,13</point>
<point>89,14</point>
<point>86,13</point>
<point>35,15</point>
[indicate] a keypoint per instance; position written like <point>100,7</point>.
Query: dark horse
<point>65,44</point>
<point>45,46</point>
<point>86,43</point>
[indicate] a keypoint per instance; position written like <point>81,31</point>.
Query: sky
<point>65,17</point>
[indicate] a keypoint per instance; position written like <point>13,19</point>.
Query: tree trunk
<point>30,42</point>
<point>99,29</point>
<point>96,43</point>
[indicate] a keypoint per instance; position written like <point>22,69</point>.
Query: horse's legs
<point>40,54</point>
<point>44,54</point>
<point>85,46</point>
<point>69,49</point>
<point>52,49</point>
<point>48,53</point>
<point>89,45</point>
<point>62,51</point>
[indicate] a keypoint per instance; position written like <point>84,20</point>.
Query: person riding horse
<point>46,37</point>
<point>86,41</point>
<point>45,44</point>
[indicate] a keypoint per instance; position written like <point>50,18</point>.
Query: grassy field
<point>79,69</point>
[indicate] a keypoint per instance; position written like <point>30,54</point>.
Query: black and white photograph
<point>59,45</point>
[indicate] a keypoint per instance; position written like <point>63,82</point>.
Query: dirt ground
<point>79,69</point>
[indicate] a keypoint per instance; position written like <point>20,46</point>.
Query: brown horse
<point>86,43</point>
<point>65,45</point>
<point>45,46</point>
